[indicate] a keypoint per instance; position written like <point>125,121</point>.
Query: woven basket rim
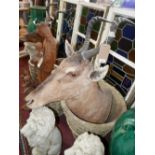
<point>64,106</point>
<point>115,92</point>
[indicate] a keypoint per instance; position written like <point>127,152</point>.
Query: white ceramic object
<point>86,144</point>
<point>41,133</point>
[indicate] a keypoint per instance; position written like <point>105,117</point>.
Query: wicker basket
<point>56,106</point>
<point>79,126</point>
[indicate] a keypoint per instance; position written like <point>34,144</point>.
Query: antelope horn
<point>89,29</point>
<point>89,53</point>
<point>123,19</point>
<point>119,20</point>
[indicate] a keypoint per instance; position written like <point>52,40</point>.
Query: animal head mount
<point>35,52</point>
<point>74,75</point>
<point>43,30</point>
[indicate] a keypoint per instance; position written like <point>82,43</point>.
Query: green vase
<point>37,15</point>
<point>123,135</point>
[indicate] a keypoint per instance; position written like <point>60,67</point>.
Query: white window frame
<point>79,5</point>
<point>130,13</point>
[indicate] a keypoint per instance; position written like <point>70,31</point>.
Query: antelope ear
<point>68,49</point>
<point>99,74</point>
<point>26,43</point>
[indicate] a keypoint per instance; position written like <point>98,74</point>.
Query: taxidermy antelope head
<point>75,81</point>
<point>35,52</point>
<point>41,45</point>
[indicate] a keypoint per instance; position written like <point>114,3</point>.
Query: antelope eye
<point>71,74</point>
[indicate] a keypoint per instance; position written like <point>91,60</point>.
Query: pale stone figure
<point>41,133</point>
<point>86,144</point>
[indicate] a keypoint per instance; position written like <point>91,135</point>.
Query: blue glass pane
<point>129,32</point>
<point>110,59</point>
<point>126,83</point>
<point>128,4</point>
<point>65,27</point>
<point>90,15</point>
<point>122,53</point>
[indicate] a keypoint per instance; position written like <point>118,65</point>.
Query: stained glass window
<point>86,15</point>
<point>55,8</point>
<point>68,21</point>
<point>121,75</point>
<point>124,42</point>
<point>67,29</point>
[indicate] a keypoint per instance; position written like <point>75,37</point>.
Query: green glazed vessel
<point>123,135</point>
<point>37,15</point>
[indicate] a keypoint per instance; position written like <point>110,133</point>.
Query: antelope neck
<point>84,95</point>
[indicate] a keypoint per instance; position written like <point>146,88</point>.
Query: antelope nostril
<point>30,102</point>
<point>102,64</point>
